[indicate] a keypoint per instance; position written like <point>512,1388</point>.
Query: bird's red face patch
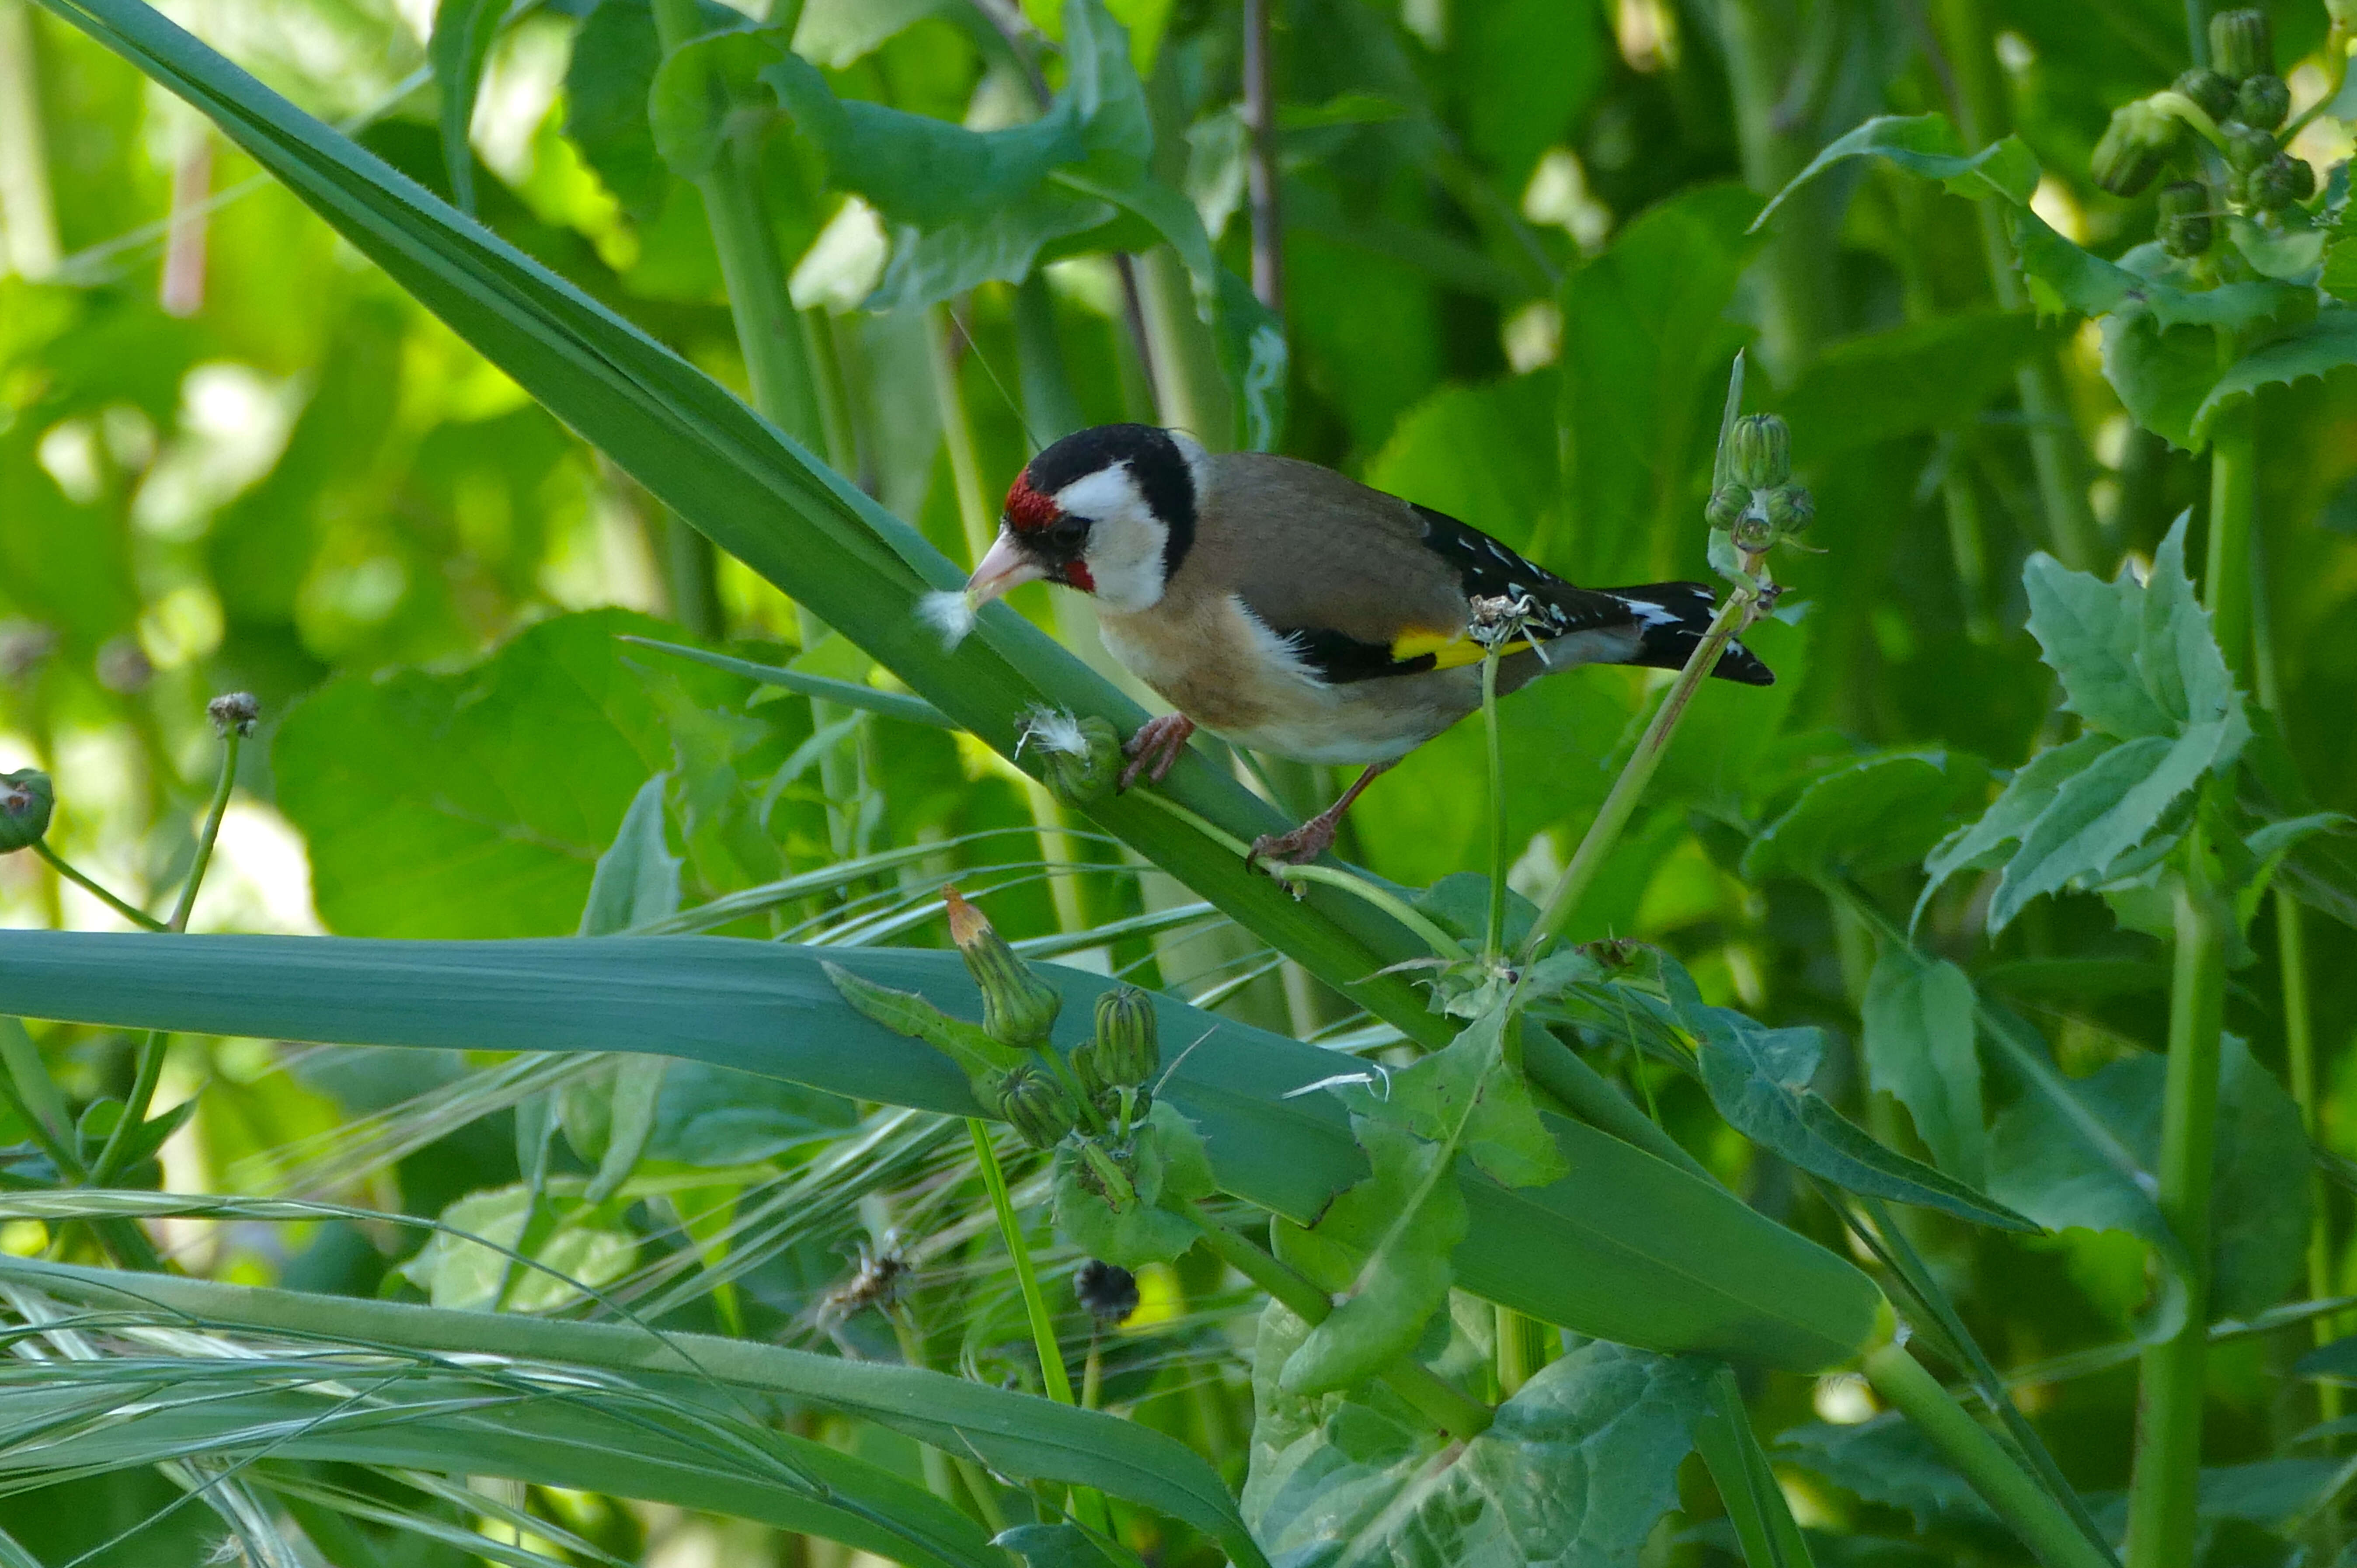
<point>1028,512</point>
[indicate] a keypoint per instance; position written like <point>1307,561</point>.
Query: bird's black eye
<point>1068,532</point>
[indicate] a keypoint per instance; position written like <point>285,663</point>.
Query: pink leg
<point>1153,749</point>
<point>1316,837</point>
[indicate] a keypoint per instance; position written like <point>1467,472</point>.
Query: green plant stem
<point>1758,41</point>
<point>2226,580</point>
<point>210,834</point>
<point>1052,409</point>
<point>1088,1506</point>
<point>2169,1424</point>
<point>1438,1401</point>
<point>1494,941</point>
<point>2016,1497</point>
<point>1563,899</point>
<point>27,217</point>
<point>1514,1359</point>
<point>58,863</point>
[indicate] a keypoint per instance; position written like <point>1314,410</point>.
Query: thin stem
<point>2226,580</point>
<point>58,863</point>
<point>31,223</point>
<point>2169,1424</point>
<point>1085,1502</point>
<point>2016,1497</point>
<point>1563,901</point>
<point>115,1153</point>
<point>1260,168</point>
<point>1434,1398</point>
<point>1514,1361</point>
<point>1494,941</point>
<point>211,832</point>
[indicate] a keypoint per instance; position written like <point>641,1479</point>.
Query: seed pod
<point>1128,1045</point>
<point>2280,182</point>
<point>1790,509</point>
<point>1037,1106</point>
<point>2242,44</point>
<point>2134,147</point>
<point>2186,229</point>
<point>1018,1008</point>
<point>2248,147</point>
<point>1108,1290</point>
<point>2213,92</point>
<point>1080,758</point>
<point>26,798</point>
<point>2263,101</point>
<point>1760,451</point>
<point>2303,178</point>
<point>1727,504</point>
<point>1088,1066</point>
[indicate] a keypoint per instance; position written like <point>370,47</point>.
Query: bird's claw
<point>1153,749</point>
<point>1299,847</point>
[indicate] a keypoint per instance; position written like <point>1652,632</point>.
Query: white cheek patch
<point>1124,557</point>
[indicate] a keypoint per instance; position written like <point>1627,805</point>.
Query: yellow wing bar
<point>1449,649</point>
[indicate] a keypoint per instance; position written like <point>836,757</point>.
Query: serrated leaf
<point>1406,1218</point>
<point>1927,145</point>
<point>2317,348</point>
<point>1002,245</point>
<point>1866,817</point>
<point>1758,1080</point>
<point>1166,1165</point>
<point>1472,1096</point>
<point>2104,812</point>
<point>1919,1047</point>
<point>2016,809</point>
<point>2091,632</point>
<point>1575,1472</point>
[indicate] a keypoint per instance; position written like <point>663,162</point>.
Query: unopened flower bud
<point>2242,44</point>
<point>2213,92</point>
<point>1128,1045</point>
<point>234,711</point>
<point>2186,228</point>
<point>1107,1291</point>
<point>2280,181</point>
<point>2248,147</point>
<point>1727,504</point>
<point>2135,147</point>
<point>26,798</point>
<point>2263,101</point>
<point>1790,509</point>
<point>1037,1106</point>
<point>1760,451</point>
<point>1080,758</point>
<point>1017,1006</point>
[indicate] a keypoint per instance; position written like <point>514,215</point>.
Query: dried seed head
<point>234,711</point>
<point>1108,1290</point>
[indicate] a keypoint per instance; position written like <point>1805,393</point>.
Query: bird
<point>1289,609</point>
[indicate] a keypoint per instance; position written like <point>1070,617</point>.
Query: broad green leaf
<point>2098,816</point>
<point>1001,245</point>
<point>2015,811</point>
<point>1873,815</point>
<point>1524,69</point>
<point>2091,633</point>
<point>2043,1162</point>
<point>607,84</point>
<point>837,33</point>
<point>1934,374</point>
<point>1886,1460</point>
<point>1919,1047</point>
<point>464,1274</point>
<point>1576,1472</point>
<point>1758,1080</point>
<point>609,1118</point>
<point>2290,253</point>
<point>707,93</point>
<point>1642,394</point>
<point>1406,1219</point>
<point>463,33</point>
<point>1167,1167</point>
<point>1052,1546</point>
<point>2315,348</point>
<point>1928,146</point>
<point>1472,1096</point>
<point>636,881</point>
<point>1625,1246</point>
<point>1019,1435</point>
<point>2144,283</point>
<point>474,803</point>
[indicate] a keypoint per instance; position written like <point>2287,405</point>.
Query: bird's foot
<point>1299,847</point>
<point>1153,749</point>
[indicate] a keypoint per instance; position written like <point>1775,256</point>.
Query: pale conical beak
<point>1003,567</point>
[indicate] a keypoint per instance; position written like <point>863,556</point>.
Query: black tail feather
<point>1673,618</point>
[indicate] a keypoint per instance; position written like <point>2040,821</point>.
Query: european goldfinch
<point>1288,608</point>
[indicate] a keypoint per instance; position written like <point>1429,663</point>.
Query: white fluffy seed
<point>947,612</point>
<point>1053,730</point>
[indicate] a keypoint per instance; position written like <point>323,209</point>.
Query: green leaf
<point>607,84</point>
<point>1756,1510</point>
<point>1934,374</point>
<point>636,879</point>
<point>1758,1080</point>
<point>1886,1460</point>
<point>463,33</point>
<point>1870,816</point>
<point>2015,811</point>
<point>2098,816</point>
<point>578,1255</point>
<point>1052,1546</point>
<point>2315,348</point>
<point>1928,146</point>
<point>708,91</point>
<point>1576,1472</point>
<point>1919,1047</point>
<point>2144,283</point>
<point>1167,1167</point>
<point>2044,1162</point>
<point>1626,1247</point>
<point>1001,245</point>
<point>1472,1096</point>
<point>1406,1219</point>
<point>474,803</point>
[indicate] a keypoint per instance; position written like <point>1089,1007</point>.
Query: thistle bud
<point>2213,92</point>
<point>1037,1106</point>
<point>2242,44</point>
<point>1760,451</point>
<point>1790,509</point>
<point>2263,101</point>
<point>234,711</point>
<point>2135,146</point>
<point>2248,148</point>
<point>1107,1291</point>
<point>26,798</point>
<point>2186,228</point>
<point>1017,1006</point>
<point>2280,181</point>
<point>1727,504</point>
<point>1128,1045</point>
<point>1078,758</point>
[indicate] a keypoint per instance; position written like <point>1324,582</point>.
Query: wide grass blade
<point>1625,1248</point>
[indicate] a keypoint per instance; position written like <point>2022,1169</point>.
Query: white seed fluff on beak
<point>949,612</point>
